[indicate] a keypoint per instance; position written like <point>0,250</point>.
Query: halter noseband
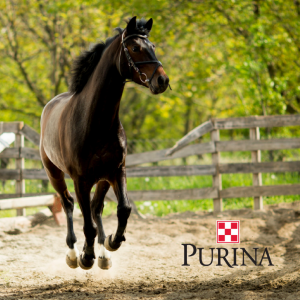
<point>133,64</point>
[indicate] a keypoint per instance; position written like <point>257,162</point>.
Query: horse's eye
<point>136,49</point>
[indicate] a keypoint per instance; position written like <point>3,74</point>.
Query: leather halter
<point>133,64</point>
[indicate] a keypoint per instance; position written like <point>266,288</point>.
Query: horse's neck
<point>103,94</point>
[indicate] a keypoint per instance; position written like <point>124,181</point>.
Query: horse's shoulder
<point>58,99</point>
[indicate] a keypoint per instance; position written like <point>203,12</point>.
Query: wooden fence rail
<point>165,171</point>
<point>180,150</point>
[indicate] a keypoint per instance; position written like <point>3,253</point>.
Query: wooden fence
<point>180,150</point>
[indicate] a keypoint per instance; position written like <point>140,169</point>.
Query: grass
<point>13,213</point>
<point>162,208</point>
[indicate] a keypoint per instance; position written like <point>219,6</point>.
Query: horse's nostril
<point>160,80</point>
<point>167,81</point>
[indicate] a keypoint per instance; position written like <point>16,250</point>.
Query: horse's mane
<point>85,64</point>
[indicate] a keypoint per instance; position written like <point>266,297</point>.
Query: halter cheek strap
<point>133,64</point>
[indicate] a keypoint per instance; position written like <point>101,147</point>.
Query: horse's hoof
<point>72,263</point>
<point>84,263</point>
<point>104,263</point>
<point>109,245</point>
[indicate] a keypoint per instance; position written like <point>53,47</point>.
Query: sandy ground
<point>148,265</point>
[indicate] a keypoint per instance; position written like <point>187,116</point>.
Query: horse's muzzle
<point>161,84</point>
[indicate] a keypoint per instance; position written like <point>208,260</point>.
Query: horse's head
<point>137,60</point>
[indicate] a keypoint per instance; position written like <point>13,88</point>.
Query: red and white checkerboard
<point>228,232</point>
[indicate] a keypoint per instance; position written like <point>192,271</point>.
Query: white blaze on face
<point>73,253</point>
<point>103,253</point>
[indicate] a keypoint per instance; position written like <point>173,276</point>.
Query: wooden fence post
<point>20,184</point>
<point>217,178</point>
<point>256,157</point>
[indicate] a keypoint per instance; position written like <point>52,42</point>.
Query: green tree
<point>224,58</point>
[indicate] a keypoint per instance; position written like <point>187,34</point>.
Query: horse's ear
<point>131,26</point>
<point>149,24</point>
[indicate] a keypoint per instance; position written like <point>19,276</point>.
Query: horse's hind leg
<point>56,177</point>
<point>104,260</point>
<point>87,257</point>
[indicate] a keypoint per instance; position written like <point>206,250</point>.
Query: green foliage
<point>224,58</point>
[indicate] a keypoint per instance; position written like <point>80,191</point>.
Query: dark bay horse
<point>81,135</point>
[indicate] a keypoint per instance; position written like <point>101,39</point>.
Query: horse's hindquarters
<point>51,125</point>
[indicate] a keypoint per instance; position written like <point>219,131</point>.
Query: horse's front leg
<point>87,257</point>
<point>113,242</point>
<point>104,259</point>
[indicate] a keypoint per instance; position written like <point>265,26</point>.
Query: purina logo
<point>228,232</point>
